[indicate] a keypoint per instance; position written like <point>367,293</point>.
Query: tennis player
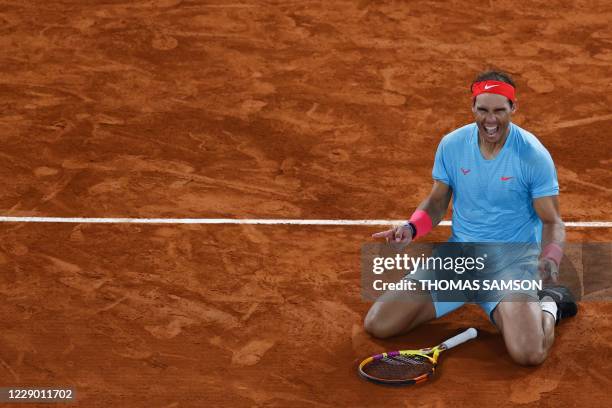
<point>504,188</point>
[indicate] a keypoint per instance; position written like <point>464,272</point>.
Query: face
<point>492,113</point>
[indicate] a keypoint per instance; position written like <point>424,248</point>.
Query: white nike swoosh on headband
<point>490,86</point>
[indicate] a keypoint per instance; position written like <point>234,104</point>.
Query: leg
<point>528,332</point>
<point>396,312</point>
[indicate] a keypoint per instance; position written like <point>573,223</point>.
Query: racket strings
<point>402,367</point>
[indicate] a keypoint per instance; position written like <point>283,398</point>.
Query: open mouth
<point>491,130</point>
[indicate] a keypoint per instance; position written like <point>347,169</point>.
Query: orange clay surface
<point>270,109</point>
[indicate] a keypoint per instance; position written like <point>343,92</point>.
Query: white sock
<point>548,305</point>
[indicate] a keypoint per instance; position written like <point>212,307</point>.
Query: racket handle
<point>469,334</point>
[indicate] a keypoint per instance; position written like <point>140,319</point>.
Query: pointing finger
<point>382,234</point>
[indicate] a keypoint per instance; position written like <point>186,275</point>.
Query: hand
<point>549,271</point>
<point>401,234</point>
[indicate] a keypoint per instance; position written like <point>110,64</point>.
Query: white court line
<point>243,221</point>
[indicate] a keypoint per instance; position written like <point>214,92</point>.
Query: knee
<point>523,334</point>
<point>376,326</point>
<point>528,356</point>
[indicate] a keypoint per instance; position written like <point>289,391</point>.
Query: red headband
<point>495,87</point>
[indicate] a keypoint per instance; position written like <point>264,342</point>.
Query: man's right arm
<point>436,203</point>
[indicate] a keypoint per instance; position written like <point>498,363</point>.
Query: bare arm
<point>553,231</point>
<point>436,203</point>
<point>553,228</point>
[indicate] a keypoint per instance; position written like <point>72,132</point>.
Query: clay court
<point>271,110</point>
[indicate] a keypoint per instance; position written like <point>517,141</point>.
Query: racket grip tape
<point>469,334</point>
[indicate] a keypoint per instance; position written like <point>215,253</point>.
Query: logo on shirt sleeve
<point>506,178</point>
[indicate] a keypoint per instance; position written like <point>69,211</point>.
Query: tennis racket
<point>409,366</point>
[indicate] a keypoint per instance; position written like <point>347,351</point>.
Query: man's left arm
<point>553,236</point>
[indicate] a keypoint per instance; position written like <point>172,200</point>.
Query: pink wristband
<point>422,223</point>
<point>554,252</point>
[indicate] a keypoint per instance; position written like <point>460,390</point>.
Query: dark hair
<point>494,76</point>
